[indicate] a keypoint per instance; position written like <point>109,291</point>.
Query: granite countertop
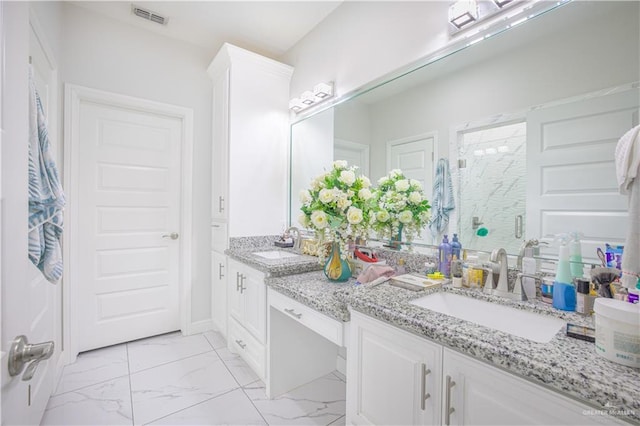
<point>316,291</point>
<point>274,267</point>
<point>565,364</point>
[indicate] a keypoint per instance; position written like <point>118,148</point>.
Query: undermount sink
<point>275,254</point>
<point>525,324</point>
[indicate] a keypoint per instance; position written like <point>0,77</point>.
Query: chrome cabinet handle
<point>447,405</point>
<point>220,274</point>
<point>220,204</point>
<point>242,287</point>
<point>23,353</point>
<point>241,344</point>
<point>293,313</point>
<point>423,393</point>
<point>173,235</point>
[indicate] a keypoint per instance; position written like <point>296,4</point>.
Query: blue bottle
<point>456,247</point>
<point>444,257</point>
<point>564,291</point>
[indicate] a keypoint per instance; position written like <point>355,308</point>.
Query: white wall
<point>361,41</point>
<point>101,53</point>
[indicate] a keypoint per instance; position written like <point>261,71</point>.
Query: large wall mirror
<point>528,119</point>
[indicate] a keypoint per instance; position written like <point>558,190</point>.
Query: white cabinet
<point>219,291</point>
<point>386,384</point>
<point>246,296</point>
<point>250,129</point>
<point>392,377</point>
<point>250,141</point>
<point>479,394</point>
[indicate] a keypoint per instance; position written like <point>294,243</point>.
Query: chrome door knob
<point>23,353</point>
<point>173,235</point>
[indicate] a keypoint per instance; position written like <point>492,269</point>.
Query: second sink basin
<point>275,254</point>
<point>525,324</point>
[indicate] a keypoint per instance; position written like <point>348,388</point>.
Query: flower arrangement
<point>399,206</point>
<point>338,205</point>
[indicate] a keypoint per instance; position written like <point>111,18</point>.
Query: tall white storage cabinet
<point>249,156</point>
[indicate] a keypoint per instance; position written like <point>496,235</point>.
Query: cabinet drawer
<point>218,236</point>
<point>325,326</point>
<point>244,344</point>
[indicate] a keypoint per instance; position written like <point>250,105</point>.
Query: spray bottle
<point>575,254</point>
<point>564,292</point>
<point>456,246</point>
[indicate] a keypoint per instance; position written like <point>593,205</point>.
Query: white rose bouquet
<point>338,205</point>
<point>400,206</point>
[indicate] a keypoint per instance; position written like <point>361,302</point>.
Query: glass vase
<point>337,269</point>
<point>396,240</point>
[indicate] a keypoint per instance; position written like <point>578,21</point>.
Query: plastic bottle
<point>456,247</point>
<point>575,255</point>
<point>444,257</point>
<point>564,292</point>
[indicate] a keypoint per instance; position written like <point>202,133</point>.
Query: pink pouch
<point>374,272</point>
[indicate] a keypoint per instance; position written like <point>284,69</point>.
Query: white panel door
<point>414,157</point>
<point>356,154</point>
<point>28,306</point>
<point>129,219</point>
<point>571,175</point>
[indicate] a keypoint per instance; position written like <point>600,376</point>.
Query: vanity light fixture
<point>503,148</point>
<point>321,92</point>
<point>463,12</point>
<point>490,151</point>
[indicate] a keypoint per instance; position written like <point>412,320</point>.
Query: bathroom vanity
<point>412,365</point>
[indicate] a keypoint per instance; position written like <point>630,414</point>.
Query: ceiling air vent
<point>148,15</point>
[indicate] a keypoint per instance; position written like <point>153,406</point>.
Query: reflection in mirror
<point>492,186</point>
<point>544,73</point>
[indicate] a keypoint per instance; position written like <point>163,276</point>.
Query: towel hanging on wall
<point>443,201</point>
<point>46,197</point>
<point>628,175</point>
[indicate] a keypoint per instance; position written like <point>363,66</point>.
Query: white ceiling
<point>270,28</point>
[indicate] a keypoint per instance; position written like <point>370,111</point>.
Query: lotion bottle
<point>444,257</point>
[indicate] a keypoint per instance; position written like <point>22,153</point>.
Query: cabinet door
<point>219,291</point>
<point>480,394</point>
<point>235,298</point>
<point>220,148</point>
<point>253,292</point>
<point>393,377</point>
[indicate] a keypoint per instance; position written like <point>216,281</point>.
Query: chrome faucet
<point>499,255</point>
<point>296,240</point>
<point>533,243</point>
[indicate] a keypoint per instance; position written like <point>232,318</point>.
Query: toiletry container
<point>444,257</point>
<point>564,292</point>
<point>584,301</point>
<point>617,331</point>
<point>456,247</point>
<point>456,271</point>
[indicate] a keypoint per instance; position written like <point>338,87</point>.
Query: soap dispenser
<point>564,292</point>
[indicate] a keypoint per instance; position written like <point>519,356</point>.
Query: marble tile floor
<point>183,380</point>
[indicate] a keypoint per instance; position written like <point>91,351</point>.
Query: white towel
<point>443,201</point>
<point>46,198</point>
<point>628,174</point>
